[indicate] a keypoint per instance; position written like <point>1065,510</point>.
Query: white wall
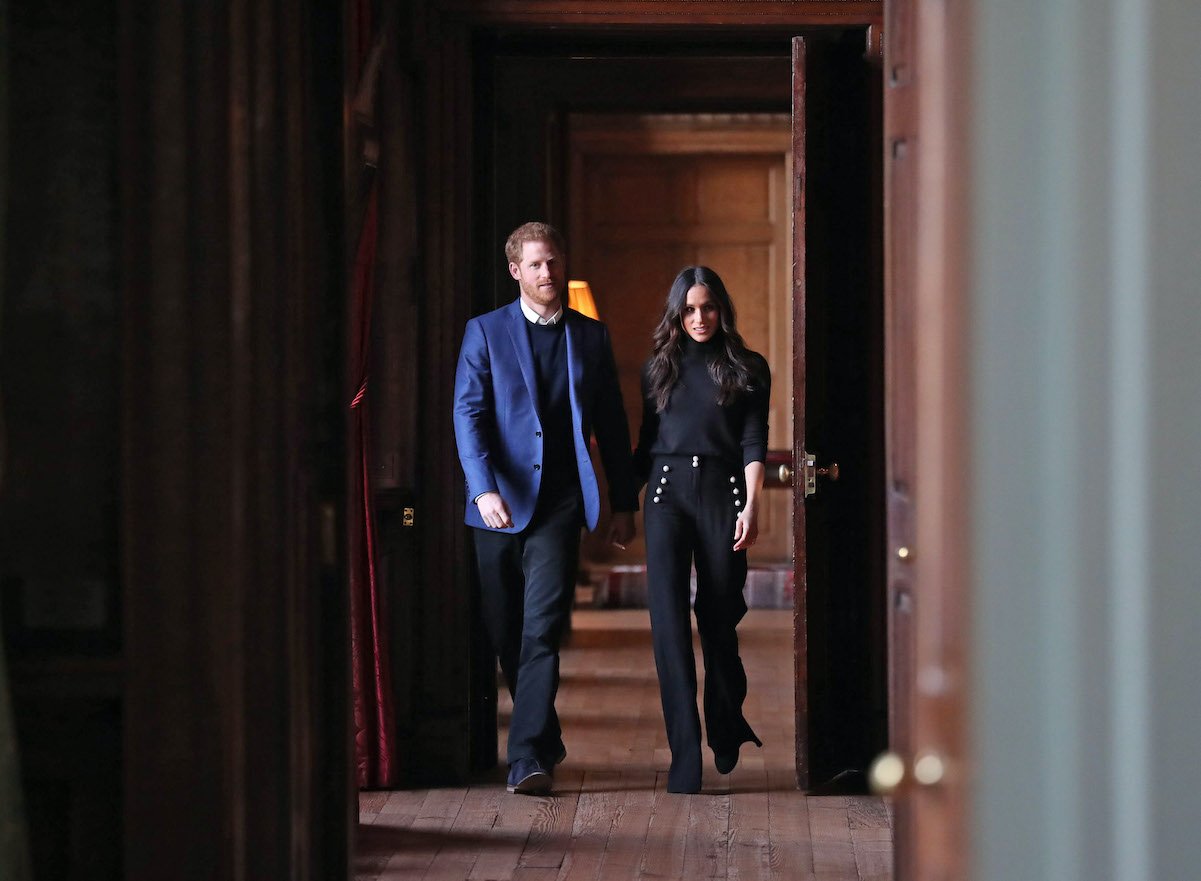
<point>1086,391</point>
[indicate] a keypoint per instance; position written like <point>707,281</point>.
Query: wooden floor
<point>609,816</point>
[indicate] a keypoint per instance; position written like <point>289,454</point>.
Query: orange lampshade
<point>579,298</point>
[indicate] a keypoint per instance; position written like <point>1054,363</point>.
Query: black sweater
<point>694,424</point>
<point>559,471</point>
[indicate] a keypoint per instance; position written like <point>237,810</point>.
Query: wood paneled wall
<point>60,386</point>
<point>236,712</point>
<point>172,348</point>
<point>440,660</point>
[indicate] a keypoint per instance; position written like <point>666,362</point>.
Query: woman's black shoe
<point>725,761</point>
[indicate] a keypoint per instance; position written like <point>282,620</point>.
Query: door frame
<point>927,67</point>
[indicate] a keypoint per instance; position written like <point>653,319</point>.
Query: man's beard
<point>541,296</point>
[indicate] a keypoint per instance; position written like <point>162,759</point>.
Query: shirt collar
<point>534,318</point>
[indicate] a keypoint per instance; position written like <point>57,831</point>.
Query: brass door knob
<point>785,474</point>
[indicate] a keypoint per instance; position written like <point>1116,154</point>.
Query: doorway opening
<point>651,156</point>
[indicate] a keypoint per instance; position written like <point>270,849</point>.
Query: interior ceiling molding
<point>673,121</point>
<point>674,13</point>
<point>619,133</point>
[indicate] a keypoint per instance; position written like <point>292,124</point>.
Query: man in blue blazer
<point>535,380</point>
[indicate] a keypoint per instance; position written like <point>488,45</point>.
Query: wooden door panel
<point>630,307</point>
<point>625,194</point>
<point>735,190</point>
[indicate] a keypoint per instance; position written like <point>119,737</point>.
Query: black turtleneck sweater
<point>694,424</point>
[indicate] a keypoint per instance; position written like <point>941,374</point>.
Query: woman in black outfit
<point>702,447</point>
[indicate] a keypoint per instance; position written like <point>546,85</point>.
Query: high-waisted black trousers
<point>527,583</point>
<point>691,503</point>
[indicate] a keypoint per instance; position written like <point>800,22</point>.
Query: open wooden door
<point>800,547</point>
<point>841,690</point>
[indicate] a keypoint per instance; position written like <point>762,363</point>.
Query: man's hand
<point>494,511</point>
<point>621,528</point>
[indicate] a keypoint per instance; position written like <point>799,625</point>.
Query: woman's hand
<point>746,529</point>
<point>746,524</point>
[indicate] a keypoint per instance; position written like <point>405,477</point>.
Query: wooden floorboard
<point>469,835</point>
<point>789,842</point>
<point>550,835</point>
<point>707,850</point>
<point>871,839</point>
<point>610,817</point>
<point>666,838</point>
<point>830,831</point>
<point>427,835</point>
<point>750,826</point>
<point>622,860</point>
<point>598,800</point>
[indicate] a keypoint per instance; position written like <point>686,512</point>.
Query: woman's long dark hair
<point>730,365</point>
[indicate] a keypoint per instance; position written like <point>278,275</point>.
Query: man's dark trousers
<point>527,584</point>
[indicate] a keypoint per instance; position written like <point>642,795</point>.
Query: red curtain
<point>376,762</point>
<point>374,719</point>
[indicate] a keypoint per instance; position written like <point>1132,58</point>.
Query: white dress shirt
<point>534,318</point>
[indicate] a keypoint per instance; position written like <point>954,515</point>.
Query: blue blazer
<point>497,425</point>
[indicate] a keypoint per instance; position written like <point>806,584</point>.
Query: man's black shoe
<point>528,777</point>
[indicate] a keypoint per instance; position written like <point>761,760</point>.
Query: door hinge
<point>873,49</point>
